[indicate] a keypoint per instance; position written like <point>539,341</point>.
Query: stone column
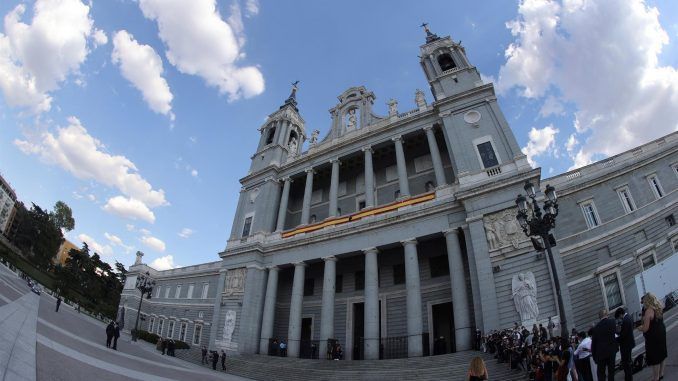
<point>371,333</point>
<point>283,132</point>
<point>435,156</point>
<point>308,190</point>
<point>334,187</point>
<point>463,332</point>
<point>217,307</point>
<point>269,309</point>
<point>284,199</point>
<point>369,178</point>
<point>414,319</point>
<point>327,311</point>
<point>402,167</point>
<point>294,330</point>
<point>252,309</point>
<point>483,267</point>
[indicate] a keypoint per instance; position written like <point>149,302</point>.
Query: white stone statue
<point>524,288</point>
<point>293,146</point>
<point>314,136</point>
<point>392,107</point>
<point>420,99</point>
<point>352,120</point>
<point>229,325</point>
<point>139,255</point>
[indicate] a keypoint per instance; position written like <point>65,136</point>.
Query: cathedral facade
<point>400,231</point>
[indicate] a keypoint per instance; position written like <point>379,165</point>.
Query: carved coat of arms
<point>235,281</point>
<point>502,229</point>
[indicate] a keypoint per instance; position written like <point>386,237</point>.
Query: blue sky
<point>142,115</point>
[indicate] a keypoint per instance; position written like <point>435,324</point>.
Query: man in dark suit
<point>604,346</point>
<point>626,341</point>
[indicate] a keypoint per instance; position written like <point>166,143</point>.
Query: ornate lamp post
<point>145,285</point>
<point>536,223</point>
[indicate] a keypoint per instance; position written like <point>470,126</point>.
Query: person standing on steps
<point>58,303</point>
<point>204,355</point>
<point>550,327</point>
<point>215,359</point>
<point>654,330</point>
<point>604,346</point>
<point>477,370</point>
<point>116,335</point>
<point>109,334</point>
<point>223,360</point>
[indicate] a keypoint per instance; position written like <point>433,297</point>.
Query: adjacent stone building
<point>394,231</point>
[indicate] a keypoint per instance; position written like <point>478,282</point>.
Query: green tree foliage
<point>121,272</point>
<point>62,216</point>
<point>37,236</point>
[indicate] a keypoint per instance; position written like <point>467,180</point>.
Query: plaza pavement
<point>38,343</point>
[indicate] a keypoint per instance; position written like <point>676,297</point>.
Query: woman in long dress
<point>654,330</point>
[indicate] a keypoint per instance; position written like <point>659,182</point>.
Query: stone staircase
<point>443,367</point>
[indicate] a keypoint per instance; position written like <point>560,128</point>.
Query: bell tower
<point>282,135</point>
<point>446,66</point>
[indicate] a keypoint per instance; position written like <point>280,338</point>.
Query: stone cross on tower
<point>430,37</point>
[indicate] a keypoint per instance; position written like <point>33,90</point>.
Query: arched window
<point>271,133</point>
<point>446,62</point>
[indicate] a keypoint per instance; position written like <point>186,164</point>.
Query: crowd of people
<point>112,333</point>
<point>213,357</point>
<point>546,357</point>
<point>167,346</point>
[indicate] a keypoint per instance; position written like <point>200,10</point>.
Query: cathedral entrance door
<point>443,328</point>
<point>358,329</point>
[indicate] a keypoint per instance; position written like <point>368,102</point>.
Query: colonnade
<point>461,309</point>
<point>369,179</point>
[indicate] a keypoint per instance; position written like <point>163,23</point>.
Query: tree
<point>122,272</point>
<point>62,216</point>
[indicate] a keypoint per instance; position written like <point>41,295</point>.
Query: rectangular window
<point>189,293</point>
<point>399,273</point>
<point>177,292</point>
<point>339,284</point>
<point>167,291</point>
<point>246,226</point>
<point>151,325</point>
<point>170,329</point>
<point>182,332</point>
<point>626,199</point>
<point>309,284</point>
<point>656,186</point>
<point>590,214</point>
<point>487,155</point>
<point>205,289</point>
<point>157,291</point>
<point>647,261</point>
<point>612,290</point>
<point>670,220</point>
<point>161,323</point>
<point>439,266</point>
<point>197,332</point>
<point>359,280</point>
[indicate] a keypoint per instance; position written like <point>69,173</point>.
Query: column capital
<point>398,138</point>
<point>409,241</point>
<point>300,264</point>
<point>287,178</point>
<point>273,268</point>
<point>450,231</point>
<point>367,149</point>
<point>370,250</point>
<point>428,128</point>
<point>331,258</point>
<point>309,170</point>
<point>336,160</point>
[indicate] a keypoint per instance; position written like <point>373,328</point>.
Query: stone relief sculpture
<point>229,325</point>
<point>392,107</point>
<point>420,99</point>
<point>524,288</point>
<point>352,120</point>
<point>502,230</point>
<point>235,281</point>
<point>314,136</point>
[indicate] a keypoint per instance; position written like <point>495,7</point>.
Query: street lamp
<point>145,285</point>
<point>537,224</point>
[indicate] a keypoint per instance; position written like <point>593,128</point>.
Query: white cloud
<point>116,241</point>
<point>100,37</point>
<point>144,231</point>
<point>91,197</point>
<point>94,246</point>
<point>73,149</point>
<point>129,227</point>
<point>199,42</point>
<point>36,58</point>
<point>601,57</point>
<point>251,8</point>
<point>194,173</point>
<point>153,243</point>
<point>551,106</point>
<point>185,233</point>
<point>129,208</point>
<point>142,66</point>
<point>164,263</point>
<point>541,141</point>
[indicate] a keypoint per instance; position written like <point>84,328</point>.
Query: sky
<point>142,115</point>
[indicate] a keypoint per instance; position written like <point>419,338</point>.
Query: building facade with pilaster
<point>397,235</point>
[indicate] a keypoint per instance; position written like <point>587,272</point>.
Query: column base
<point>463,339</point>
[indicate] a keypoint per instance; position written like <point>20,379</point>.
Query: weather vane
<point>294,89</point>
